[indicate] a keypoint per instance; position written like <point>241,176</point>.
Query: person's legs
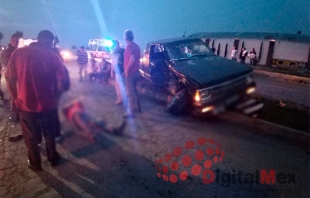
<point>132,94</point>
<point>105,76</point>
<point>80,71</point>
<point>1,92</point>
<point>118,87</point>
<point>32,136</point>
<point>47,121</point>
<point>90,76</point>
<point>56,125</point>
<point>82,122</point>
<point>137,101</point>
<point>251,62</point>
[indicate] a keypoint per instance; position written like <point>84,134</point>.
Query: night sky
<point>75,21</point>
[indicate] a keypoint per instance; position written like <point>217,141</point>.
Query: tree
<point>19,34</point>
<point>1,36</point>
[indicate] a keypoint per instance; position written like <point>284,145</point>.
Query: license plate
<point>232,99</point>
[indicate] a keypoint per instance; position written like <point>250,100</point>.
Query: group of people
<point>124,68</point>
<point>92,70</point>
<point>36,78</point>
<point>243,55</point>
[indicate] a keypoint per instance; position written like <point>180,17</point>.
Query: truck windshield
<point>187,49</point>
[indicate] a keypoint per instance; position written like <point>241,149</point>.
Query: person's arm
<point>61,76</point>
<point>129,66</point>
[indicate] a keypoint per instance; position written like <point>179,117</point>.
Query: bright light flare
<point>207,109</point>
<point>108,43</point>
<point>250,90</point>
<point>66,54</point>
<point>197,96</point>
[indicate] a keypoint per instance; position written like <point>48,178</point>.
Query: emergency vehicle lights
<point>108,43</point>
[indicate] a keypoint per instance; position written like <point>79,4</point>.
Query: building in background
<point>289,51</point>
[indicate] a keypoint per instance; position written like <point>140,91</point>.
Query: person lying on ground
<point>85,125</point>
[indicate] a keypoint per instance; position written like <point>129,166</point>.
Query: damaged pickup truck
<point>194,77</point>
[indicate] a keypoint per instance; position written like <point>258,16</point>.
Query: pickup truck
<point>100,48</point>
<point>195,77</point>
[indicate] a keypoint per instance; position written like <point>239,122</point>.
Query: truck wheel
<point>180,103</point>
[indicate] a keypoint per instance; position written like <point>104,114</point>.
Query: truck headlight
<point>205,93</point>
<point>197,96</point>
<point>202,94</point>
<point>250,90</point>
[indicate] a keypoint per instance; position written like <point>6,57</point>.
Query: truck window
<point>188,49</point>
<point>157,52</point>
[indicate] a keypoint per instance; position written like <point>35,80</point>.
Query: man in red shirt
<point>35,78</point>
<point>131,73</point>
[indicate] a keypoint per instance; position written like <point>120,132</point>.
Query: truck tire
<point>180,103</point>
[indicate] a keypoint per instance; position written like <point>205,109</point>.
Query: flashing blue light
<point>108,43</point>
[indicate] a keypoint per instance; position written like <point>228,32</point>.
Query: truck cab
<point>195,77</point>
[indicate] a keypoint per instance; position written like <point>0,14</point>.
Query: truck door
<point>158,66</point>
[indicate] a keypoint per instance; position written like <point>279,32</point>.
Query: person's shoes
<point>15,138</point>
<point>1,95</point>
<point>119,102</point>
<point>58,138</point>
<point>34,168</point>
<point>129,115</point>
<point>56,161</point>
<point>120,130</point>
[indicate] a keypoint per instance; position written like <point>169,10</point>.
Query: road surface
<point>159,155</point>
<point>279,89</point>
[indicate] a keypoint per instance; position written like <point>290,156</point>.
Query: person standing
<point>243,55</point>
<point>233,54</point>
<point>5,57</point>
<point>252,56</point>
<point>131,74</point>
<point>117,71</point>
<point>104,71</point>
<point>57,125</point>
<point>82,59</point>
<point>35,78</point>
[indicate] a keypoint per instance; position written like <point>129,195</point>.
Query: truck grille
<point>226,89</point>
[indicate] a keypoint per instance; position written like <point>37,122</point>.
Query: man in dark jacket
<point>5,57</point>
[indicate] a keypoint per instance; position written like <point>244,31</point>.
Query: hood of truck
<point>212,70</point>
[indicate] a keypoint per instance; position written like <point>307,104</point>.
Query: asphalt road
<point>279,89</point>
<point>160,155</point>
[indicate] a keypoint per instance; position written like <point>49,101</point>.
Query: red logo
<point>194,159</point>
